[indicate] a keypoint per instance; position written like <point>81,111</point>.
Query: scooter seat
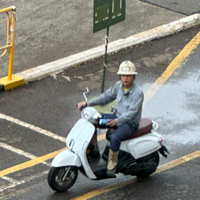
<point>144,128</point>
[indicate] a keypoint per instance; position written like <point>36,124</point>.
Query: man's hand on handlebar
<point>82,105</point>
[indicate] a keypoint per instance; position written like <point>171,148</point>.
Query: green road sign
<point>108,13</point>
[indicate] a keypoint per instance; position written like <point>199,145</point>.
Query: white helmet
<point>127,68</point>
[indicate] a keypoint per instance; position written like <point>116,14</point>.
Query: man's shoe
<point>112,163</point>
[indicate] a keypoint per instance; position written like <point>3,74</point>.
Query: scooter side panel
<point>144,145</point>
<point>81,132</point>
<point>66,158</point>
<point>78,140</point>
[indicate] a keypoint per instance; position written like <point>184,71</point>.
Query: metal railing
<point>9,47</point>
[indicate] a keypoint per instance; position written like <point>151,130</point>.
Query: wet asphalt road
<point>50,105</point>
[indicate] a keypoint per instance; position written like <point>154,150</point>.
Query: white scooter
<point>138,155</point>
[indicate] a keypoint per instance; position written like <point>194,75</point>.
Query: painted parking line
<point>29,163</point>
<point>17,183</point>
<point>161,168</point>
<point>34,159</point>
<point>20,152</point>
<point>32,127</point>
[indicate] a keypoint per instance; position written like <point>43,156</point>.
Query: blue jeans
<point>123,132</point>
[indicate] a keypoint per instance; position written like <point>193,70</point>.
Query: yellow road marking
<point>29,163</point>
<point>193,44</point>
<point>161,168</point>
<point>178,161</point>
<point>148,95</point>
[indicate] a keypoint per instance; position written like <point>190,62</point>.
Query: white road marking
<point>20,152</point>
<point>17,183</point>
<point>9,179</point>
<point>32,127</point>
<point>13,181</point>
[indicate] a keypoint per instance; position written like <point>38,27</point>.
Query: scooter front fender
<point>66,158</point>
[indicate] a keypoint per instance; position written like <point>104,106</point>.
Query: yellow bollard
<point>11,81</point>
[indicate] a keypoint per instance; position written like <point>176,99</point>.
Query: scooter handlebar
<point>82,107</point>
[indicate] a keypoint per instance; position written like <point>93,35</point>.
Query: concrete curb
<point>62,64</point>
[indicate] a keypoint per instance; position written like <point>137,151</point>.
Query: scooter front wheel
<point>61,179</point>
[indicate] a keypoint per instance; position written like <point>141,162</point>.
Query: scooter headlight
<point>85,114</point>
<point>90,114</point>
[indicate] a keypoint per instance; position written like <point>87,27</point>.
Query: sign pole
<point>105,60</point>
<point>107,13</point>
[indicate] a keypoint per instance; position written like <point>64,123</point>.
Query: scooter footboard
<point>66,158</point>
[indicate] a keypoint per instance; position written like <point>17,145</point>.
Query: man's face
<point>127,80</point>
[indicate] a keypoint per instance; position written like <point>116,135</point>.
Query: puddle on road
<point>175,107</point>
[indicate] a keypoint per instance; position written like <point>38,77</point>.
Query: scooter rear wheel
<point>61,179</point>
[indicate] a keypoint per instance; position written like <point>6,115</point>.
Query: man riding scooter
<point>129,97</point>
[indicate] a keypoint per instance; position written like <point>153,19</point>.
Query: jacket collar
<point>130,90</point>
